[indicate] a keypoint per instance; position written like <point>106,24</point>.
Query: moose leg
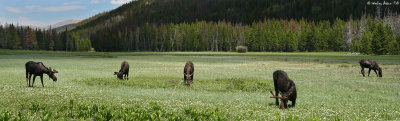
<point>276,99</point>
<point>127,76</point>
<point>285,102</point>
<point>33,81</point>
<point>293,103</point>
<point>41,79</point>
<point>362,71</point>
<point>369,71</point>
<point>184,79</point>
<point>376,73</point>
<point>191,81</point>
<point>29,80</point>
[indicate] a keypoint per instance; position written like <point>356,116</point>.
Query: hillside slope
<point>137,13</point>
<point>172,25</point>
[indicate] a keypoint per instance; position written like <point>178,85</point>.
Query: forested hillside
<point>221,25</point>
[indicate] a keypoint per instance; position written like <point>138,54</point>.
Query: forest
<point>222,25</point>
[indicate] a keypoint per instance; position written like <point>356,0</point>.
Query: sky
<point>42,13</point>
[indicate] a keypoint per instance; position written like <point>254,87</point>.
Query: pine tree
<point>378,39</point>
<point>389,40</point>
<point>13,39</point>
<point>394,46</point>
<point>292,42</point>
<point>366,43</point>
<point>30,38</point>
<point>355,45</point>
<point>2,36</point>
<point>337,35</point>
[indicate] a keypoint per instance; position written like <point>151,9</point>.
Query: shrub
<point>241,49</point>
<point>5,116</point>
<point>92,50</point>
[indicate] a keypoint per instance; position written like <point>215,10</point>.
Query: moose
<point>124,71</point>
<point>286,87</point>
<point>371,64</point>
<point>37,69</point>
<point>188,73</point>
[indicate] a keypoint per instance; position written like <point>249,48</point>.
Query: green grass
<point>227,86</point>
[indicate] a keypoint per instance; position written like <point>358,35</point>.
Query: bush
<point>5,116</point>
<point>241,49</point>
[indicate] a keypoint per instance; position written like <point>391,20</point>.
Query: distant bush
<point>92,50</point>
<point>241,49</point>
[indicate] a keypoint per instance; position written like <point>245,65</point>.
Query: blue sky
<point>45,12</point>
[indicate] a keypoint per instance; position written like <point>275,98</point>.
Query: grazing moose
<point>285,87</point>
<point>371,64</point>
<point>37,69</point>
<point>188,73</point>
<point>124,71</point>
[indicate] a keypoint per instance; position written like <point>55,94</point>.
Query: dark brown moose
<point>37,69</point>
<point>371,64</point>
<point>286,87</point>
<point>188,73</point>
<point>124,71</point>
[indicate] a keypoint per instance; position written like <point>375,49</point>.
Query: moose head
<point>379,71</point>
<point>188,78</point>
<point>284,99</point>
<point>51,74</point>
<point>119,75</point>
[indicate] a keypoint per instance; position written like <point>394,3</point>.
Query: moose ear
<point>115,73</point>
<point>55,71</point>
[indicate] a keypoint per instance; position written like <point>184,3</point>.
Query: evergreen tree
<point>30,38</point>
<point>13,39</point>
<point>389,43</point>
<point>366,43</point>
<point>337,40</point>
<point>355,45</point>
<point>378,39</point>
<point>2,37</point>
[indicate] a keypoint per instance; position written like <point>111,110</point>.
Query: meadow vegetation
<point>227,86</point>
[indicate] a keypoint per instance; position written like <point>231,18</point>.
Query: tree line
<point>28,38</point>
<point>367,35</point>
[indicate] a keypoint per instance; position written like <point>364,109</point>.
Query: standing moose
<point>371,64</point>
<point>286,87</point>
<point>188,73</point>
<point>37,69</point>
<point>124,71</point>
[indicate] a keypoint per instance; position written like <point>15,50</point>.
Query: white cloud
<point>23,21</point>
<point>14,10</point>
<point>26,21</point>
<point>119,2</point>
<point>94,1</point>
<point>72,3</point>
<point>63,8</point>
<point>32,6</point>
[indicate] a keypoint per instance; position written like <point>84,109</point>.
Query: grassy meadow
<point>227,86</point>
